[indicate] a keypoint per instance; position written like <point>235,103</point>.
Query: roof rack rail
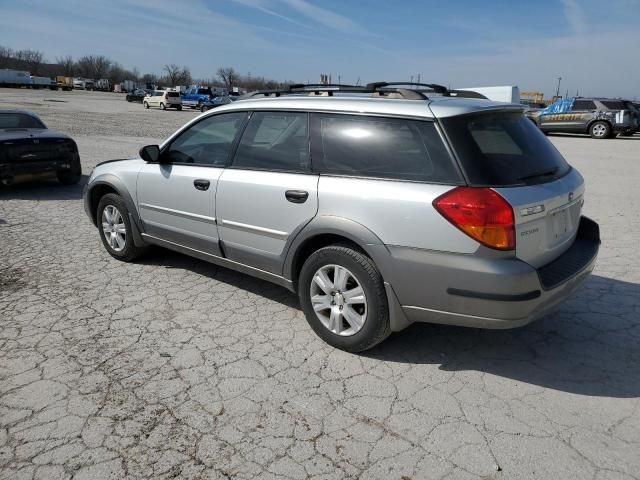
<point>432,86</point>
<point>381,88</point>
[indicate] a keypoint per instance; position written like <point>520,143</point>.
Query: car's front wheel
<point>179,108</point>
<point>163,106</point>
<point>343,297</point>
<point>146,105</point>
<point>600,130</point>
<point>115,230</point>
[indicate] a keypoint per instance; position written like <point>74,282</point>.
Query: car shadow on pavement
<point>43,190</point>
<point>590,346</point>
<point>165,258</point>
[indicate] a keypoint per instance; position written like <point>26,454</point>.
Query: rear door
<point>582,112</point>
<point>507,152</point>
<point>176,198</point>
<point>268,194</point>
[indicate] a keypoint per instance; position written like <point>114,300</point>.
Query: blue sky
<point>592,44</point>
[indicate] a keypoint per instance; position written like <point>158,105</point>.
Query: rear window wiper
<point>543,173</point>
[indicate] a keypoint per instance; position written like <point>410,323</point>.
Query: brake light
<point>481,213</point>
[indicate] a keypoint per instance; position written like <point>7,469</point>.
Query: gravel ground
<point>174,368</point>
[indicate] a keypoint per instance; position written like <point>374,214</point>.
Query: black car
<point>136,96</point>
<point>599,117</point>
<point>28,150</point>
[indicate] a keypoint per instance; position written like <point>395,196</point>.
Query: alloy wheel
<point>113,227</point>
<point>339,300</point>
<point>599,130</point>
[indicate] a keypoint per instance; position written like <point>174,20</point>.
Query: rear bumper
<point>18,171</point>
<point>473,291</point>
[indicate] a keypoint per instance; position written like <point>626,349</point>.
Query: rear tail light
<point>481,213</point>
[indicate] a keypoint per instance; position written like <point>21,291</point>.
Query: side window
<point>208,142</point>
<point>380,147</point>
<point>275,141</point>
<point>583,105</point>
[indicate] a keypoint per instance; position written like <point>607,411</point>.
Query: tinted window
<point>275,141</point>
<point>19,120</point>
<point>614,104</point>
<point>502,149</point>
<point>172,94</point>
<point>208,142</point>
<point>380,147</point>
<point>584,105</point>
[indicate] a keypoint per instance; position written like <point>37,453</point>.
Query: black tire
<point>146,105</point>
<point>376,326</point>
<point>71,176</point>
<point>163,106</point>
<point>179,108</point>
<point>203,108</point>
<point>600,130</point>
<point>130,252</point>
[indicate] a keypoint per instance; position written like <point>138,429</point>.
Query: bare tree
<point>6,57</point>
<point>67,65</point>
<point>229,77</point>
<point>31,59</point>
<point>173,74</point>
<point>92,66</point>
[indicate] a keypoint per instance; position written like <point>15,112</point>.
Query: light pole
<point>558,89</point>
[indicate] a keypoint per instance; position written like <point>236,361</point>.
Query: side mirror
<point>150,153</point>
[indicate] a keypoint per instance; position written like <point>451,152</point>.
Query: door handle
<point>201,184</point>
<point>296,196</point>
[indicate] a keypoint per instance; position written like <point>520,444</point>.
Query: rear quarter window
<point>380,147</point>
<point>503,149</point>
<point>614,104</point>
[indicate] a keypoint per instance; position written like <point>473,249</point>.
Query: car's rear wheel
<point>115,230</point>
<point>343,297</point>
<point>162,106</point>
<point>146,105</point>
<point>179,108</point>
<point>600,130</point>
<point>203,108</point>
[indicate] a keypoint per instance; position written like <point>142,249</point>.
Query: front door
<point>177,196</point>
<point>269,193</point>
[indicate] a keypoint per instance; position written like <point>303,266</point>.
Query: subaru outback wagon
<point>380,206</point>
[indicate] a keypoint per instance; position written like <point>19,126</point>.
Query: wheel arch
<point>603,120</point>
<point>328,230</point>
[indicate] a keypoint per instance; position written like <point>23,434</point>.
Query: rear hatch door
<point>504,150</point>
<point>547,217</point>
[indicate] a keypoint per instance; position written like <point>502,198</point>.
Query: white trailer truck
<point>14,78</point>
<point>507,94</point>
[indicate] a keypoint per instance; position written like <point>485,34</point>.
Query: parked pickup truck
<point>195,97</point>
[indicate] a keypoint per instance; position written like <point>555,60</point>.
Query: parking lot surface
<point>174,368</point>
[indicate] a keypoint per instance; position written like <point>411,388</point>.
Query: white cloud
<point>575,16</point>
<point>325,17</point>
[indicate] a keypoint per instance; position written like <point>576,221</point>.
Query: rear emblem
<point>570,196</point>
<point>36,141</point>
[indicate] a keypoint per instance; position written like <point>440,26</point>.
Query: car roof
<point>433,107</point>
<point>24,112</point>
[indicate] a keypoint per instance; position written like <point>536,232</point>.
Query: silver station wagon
<point>380,206</point>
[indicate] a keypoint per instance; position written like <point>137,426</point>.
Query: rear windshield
<point>503,148</point>
<point>19,120</point>
<point>172,94</point>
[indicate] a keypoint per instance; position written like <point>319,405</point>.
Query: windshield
<point>19,120</point>
<point>502,149</point>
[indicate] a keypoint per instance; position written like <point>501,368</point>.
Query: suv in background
<point>163,99</point>
<point>379,205</point>
<point>599,117</point>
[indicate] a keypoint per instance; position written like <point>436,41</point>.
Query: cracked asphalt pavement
<point>174,368</point>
